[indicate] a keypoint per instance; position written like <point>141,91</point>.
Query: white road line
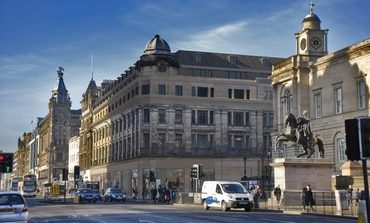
<point>156,216</point>
<point>146,221</point>
<point>94,219</point>
<point>274,220</point>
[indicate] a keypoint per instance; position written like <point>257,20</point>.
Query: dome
<point>311,21</point>
<point>157,45</point>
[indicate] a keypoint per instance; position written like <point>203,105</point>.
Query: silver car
<point>13,207</point>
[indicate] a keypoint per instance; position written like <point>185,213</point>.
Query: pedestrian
<point>134,192</point>
<point>256,196</point>
<point>277,194</point>
<point>357,196</point>
<point>308,199</point>
<point>349,195</point>
<point>153,192</point>
<point>160,192</point>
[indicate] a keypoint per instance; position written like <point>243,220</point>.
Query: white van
<point>226,195</point>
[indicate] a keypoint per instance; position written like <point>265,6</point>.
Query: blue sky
<point>36,36</point>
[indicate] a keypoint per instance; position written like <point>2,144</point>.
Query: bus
<point>29,185</point>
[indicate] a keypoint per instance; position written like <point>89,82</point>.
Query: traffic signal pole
<point>366,184</point>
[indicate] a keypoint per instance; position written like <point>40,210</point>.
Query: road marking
<point>146,221</point>
<point>156,216</point>
<point>94,219</point>
<point>274,220</point>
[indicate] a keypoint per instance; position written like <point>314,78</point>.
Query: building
<point>55,129</point>
<point>73,159</point>
<point>173,110</point>
<point>331,87</point>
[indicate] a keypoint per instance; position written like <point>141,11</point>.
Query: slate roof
<point>222,60</point>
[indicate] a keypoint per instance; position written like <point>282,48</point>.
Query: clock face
<point>303,44</point>
<point>162,67</point>
<point>315,42</point>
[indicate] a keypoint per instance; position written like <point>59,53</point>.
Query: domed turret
<point>157,45</point>
<point>311,21</point>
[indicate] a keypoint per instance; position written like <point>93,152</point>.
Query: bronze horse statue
<point>297,135</point>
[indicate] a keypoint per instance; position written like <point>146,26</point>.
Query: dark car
<point>97,195</point>
<point>85,194</point>
<point>114,194</point>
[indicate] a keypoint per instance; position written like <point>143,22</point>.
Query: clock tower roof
<point>311,21</point>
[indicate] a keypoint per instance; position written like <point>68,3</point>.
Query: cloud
<point>213,39</point>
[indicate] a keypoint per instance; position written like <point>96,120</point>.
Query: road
<point>141,212</point>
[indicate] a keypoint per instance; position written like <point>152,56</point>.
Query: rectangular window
<point>338,100</point>
<point>162,116</point>
<point>146,140</point>
<point>202,92</point>
<point>178,116</point>
<point>193,91</point>
<point>361,94</point>
<point>178,90</point>
<point>193,141</point>
<point>341,149</point>
<point>238,93</point>
<point>212,92</point>
<point>178,140</point>
<point>202,141</point>
<point>230,93</point>
<point>211,141</point>
<point>248,94</point>
<point>193,117</point>
<point>202,117</point>
<point>238,142</point>
<point>238,118</point>
<point>146,114</point>
<point>317,101</point>
<point>247,119</point>
<point>229,118</point>
<point>162,89</point>
<point>210,117</point>
<point>162,140</point>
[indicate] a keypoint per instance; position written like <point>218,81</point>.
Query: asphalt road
<point>142,212</point>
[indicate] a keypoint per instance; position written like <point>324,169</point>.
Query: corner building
<point>332,87</point>
<point>173,110</point>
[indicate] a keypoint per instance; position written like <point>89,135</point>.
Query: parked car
<point>13,207</point>
<point>114,194</point>
<point>85,194</point>
<point>97,195</point>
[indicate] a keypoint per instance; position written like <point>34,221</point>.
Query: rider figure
<point>304,127</point>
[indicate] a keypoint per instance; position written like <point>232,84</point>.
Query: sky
<point>37,36</point>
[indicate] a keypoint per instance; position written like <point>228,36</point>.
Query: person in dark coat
<point>277,194</point>
<point>308,197</point>
<point>154,194</point>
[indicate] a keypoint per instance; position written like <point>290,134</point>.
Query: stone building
<point>173,110</point>
<point>331,87</point>
<point>55,129</point>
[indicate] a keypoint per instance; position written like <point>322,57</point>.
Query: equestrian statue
<point>300,134</point>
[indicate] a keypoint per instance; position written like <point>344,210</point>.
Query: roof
<point>224,60</point>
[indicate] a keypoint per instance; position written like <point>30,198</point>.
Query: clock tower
<point>312,40</point>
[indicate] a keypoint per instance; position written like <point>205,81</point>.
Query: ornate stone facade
<point>331,87</point>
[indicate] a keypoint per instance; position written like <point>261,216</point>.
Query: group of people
<point>307,196</point>
<point>162,194</point>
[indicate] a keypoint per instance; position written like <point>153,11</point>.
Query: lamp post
<point>245,165</point>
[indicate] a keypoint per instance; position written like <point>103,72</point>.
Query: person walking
<point>154,194</point>
<point>256,196</point>
<point>277,194</point>
<point>308,199</point>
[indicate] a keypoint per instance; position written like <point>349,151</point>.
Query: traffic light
<point>6,162</point>
<point>65,174</point>
<point>364,123</point>
<point>194,171</point>
<point>352,139</point>
<point>76,172</point>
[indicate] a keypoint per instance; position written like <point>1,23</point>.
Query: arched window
<point>288,104</point>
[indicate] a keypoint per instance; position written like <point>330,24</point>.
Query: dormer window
<point>198,58</point>
<point>232,59</point>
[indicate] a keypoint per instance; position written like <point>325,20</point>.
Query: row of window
<point>123,149</point>
<point>198,117</point>
<point>338,100</point>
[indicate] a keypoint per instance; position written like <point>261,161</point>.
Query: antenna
<point>91,66</point>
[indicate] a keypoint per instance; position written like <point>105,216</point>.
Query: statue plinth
<point>292,174</point>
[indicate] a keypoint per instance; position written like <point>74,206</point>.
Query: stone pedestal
<point>292,174</point>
